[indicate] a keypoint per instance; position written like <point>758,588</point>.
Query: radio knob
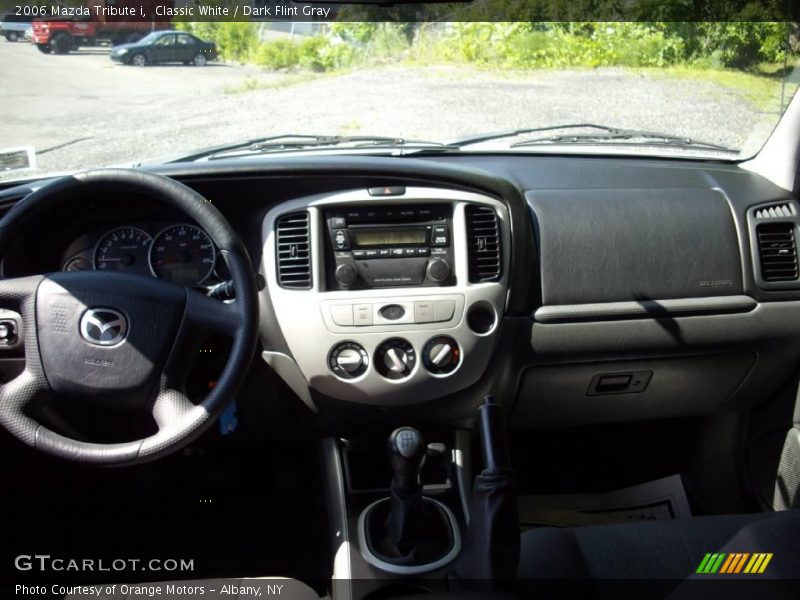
<point>346,274</point>
<point>438,269</point>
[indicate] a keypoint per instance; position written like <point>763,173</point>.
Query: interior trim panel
<point>319,330</point>
<point>644,309</point>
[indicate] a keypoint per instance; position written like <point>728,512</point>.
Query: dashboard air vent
<point>777,251</point>
<point>294,251</point>
<point>774,211</point>
<point>483,244</point>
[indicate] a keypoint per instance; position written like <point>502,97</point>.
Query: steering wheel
<point>123,342</point>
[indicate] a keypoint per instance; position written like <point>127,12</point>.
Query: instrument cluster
<point>177,252</point>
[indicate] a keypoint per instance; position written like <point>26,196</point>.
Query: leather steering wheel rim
<point>178,420</point>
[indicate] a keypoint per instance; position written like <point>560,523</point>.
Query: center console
<point>386,296</point>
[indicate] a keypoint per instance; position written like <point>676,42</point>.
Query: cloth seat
<point>665,553</point>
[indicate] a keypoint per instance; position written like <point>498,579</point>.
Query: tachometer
<point>124,249</point>
<point>183,254</point>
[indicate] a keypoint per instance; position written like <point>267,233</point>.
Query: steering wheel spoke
<point>16,397</point>
<point>16,292</point>
<point>171,406</point>
<point>206,315</point>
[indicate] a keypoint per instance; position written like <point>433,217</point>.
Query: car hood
<point>125,47</point>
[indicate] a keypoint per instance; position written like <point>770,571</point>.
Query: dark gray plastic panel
<point>635,244</point>
<point>694,385</point>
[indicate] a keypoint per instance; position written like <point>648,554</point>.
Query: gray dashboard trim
<point>644,309</point>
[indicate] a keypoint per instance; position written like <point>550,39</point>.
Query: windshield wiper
<point>293,142</point>
<point>610,134</point>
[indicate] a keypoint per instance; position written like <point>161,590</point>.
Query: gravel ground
<point>81,110</point>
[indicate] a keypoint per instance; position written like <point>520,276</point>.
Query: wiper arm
<point>288,142</point>
<point>605,133</point>
<point>654,139</point>
<point>488,137</point>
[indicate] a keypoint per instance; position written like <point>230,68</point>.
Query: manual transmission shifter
<point>407,530</point>
<point>406,450</point>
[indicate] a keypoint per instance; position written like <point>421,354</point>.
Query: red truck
<point>88,27</point>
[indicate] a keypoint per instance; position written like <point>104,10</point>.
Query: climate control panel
<point>396,358</point>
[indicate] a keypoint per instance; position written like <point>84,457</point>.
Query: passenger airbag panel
<point>635,244</point>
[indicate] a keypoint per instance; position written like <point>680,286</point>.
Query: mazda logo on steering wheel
<point>103,326</point>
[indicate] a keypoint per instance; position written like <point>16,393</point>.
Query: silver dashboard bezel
<point>310,337</point>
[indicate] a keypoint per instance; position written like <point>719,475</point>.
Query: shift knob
<point>406,449</point>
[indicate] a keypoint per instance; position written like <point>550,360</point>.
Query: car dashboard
<point>577,290</point>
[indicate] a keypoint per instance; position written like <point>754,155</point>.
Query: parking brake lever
<point>490,555</point>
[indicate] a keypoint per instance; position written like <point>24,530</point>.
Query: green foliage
<point>520,45</point>
<point>234,40</point>
<point>277,54</point>
<point>320,54</point>
<point>316,53</point>
<point>528,45</point>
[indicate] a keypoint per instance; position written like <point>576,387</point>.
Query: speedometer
<point>123,249</point>
<point>183,254</point>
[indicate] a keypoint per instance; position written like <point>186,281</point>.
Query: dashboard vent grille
<point>774,211</point>
<point>294,251</point>
<point>483,244</point>
<point>778,252</point>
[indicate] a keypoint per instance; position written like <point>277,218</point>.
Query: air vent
<point>483,244</point>
<point>778,252</point>
<point>294,251</point>
<point>775,211</point>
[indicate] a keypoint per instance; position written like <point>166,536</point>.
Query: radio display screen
<point>397,237</point>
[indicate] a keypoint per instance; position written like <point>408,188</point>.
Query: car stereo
<point>374,247</point>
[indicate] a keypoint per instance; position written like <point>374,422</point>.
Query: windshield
<point>76,100</point>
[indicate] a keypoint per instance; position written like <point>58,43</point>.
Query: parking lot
<point>81,110</point>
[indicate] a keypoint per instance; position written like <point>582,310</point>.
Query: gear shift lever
<point>407,529</point>
<point>407,452</point>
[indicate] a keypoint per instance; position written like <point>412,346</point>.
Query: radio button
<point>385,252</point>
<point>423,251</point>
<point>359,253</point>
<point>409,251</point>
<point>443,310</point>
<point>338,223</point>
<point>439,236</point>
<point>342,315</point>
<point>362,314</point>
<point>372,253</point>
<point>398,251</point>
<point>341,241</point>
<point>423,312</point>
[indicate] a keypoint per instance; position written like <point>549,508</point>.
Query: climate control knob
<point>441,355</point>
<point>395,358</point>
<point>348,360</point>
